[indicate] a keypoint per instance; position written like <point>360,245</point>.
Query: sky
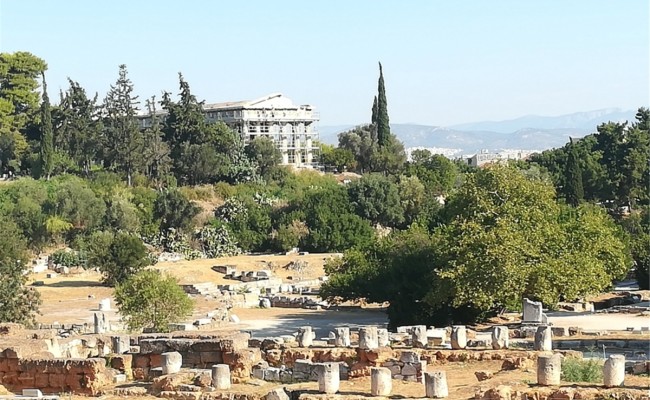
<point>445,62</point>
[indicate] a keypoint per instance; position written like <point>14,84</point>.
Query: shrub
<point>151,300</point>
<point>66,258</point>
<point>580,370</point>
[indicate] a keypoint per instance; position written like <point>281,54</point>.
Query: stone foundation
<point>81,376</point>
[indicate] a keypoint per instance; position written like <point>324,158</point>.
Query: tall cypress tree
<point>373,119</point>
<point>47,137</point>
<point>573,188</point>
<point>383,124</point>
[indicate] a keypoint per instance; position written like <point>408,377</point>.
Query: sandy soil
<point>198,271</point>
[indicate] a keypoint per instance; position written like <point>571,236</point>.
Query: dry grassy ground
<point>74,298</point>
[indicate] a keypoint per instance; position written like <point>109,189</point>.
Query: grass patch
<point>580,370</point>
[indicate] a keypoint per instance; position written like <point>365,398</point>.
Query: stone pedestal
<point>328,377</point>
<point>305,336</point>
<point>532,312</point>
<point>171,362</point>
<point>435,384</point>
<point>614,370</point>
<point>368,339</point>
<point>543,339</point>
<point>121,344</point>
<point>342,337</point>
<point>383,337</point>
<point>100,323</point>
<point>381,382</point>
<point>500,337</point>
<point>549,369</point>
<point>419,336</point>
<point>221,376</point>
<point>458,337</point>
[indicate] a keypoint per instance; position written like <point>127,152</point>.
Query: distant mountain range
<point>530,132</point>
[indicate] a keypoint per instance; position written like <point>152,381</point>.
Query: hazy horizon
<point>444,63</point>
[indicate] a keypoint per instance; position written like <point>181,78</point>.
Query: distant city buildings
<point>291,127</point>
<point>487,157</point>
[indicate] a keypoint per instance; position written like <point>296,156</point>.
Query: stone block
<point>171,362</point>
<point>32,393</point>
<point>211,357</point>
<point>532,312</point>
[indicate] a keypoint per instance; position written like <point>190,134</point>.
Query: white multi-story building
<point>291,127</point>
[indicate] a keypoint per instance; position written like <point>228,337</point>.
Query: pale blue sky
<point>445,62</point>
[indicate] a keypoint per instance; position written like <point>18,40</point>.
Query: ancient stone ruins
<point>208,365</point>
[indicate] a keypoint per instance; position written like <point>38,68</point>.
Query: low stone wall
<point>197,352</point>
<point>82,376</point>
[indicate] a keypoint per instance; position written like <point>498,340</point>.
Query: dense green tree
<point>412,195</point>
<point>637,226</point>
<point>123,138</point>
<point>19,97</point>
<point>573,189</point>
<point>18,303</point>
<point>337,159</point>
<point>376,198</point>
<point>78,129</point>
<point>124,257</point>
<point>149,299</point>
<point>382,121</point>
<point>252,228</point>
<point>174,210</point>
<point>502,237</point>
<point>331,222</point>
<point>202,152</point>
<point>438,174</point>
<point>74,202</point>
<point>265,154</point>
<point>47,136</point>
<point>361,142</point>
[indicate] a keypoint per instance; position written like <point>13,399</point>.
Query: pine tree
<point>573,188</point>
<point>383,124</point>
<point>47,137</point>
<point>124,140</point>
<point>78,127</point>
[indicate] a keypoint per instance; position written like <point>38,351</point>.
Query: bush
<point>580,370</point>
<point>124,256</point>
<point>151,300</point>
<point>66,258</point>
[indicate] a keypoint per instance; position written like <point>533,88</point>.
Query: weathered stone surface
<point>380,381</point>
<point>614,371</point>
<point>342,337</point>
<point>549,369</point>
<point>458,337</point>
<point>305,336</point>
<point>328,377</point>
<point>221,379</point>
<point>435,384</point>
<point>543,339</point>
<point>383,337</point>
<point>500,337</point>
<point>532,312</point>
<point>241,362</point>
<point>277,394</point>
<point>419,336</point>
<point>171,362</point>
<point>368,337</point>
